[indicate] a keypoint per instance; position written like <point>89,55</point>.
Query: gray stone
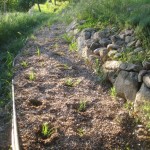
<point>103,54</point>
<point>112,47</point>
<point>104,42</point>
<point>146,65</point>
<point>142,97</point>
<point>88,43</point>
<point>129,39</point>
<point>86,52</point>
<point>85,34</point>
<point>72,26</point>
<point>100,35</point>
<point>141,74</point>
<point>111,75</point>
<point>96,51</point>
<point>122,36</point>
<point>138,49</point>
<point>138,43</point>
<point>131,44</point>
<point>146,80</point>
<point>129,32</point>
<point>112,53</point>
<point>130,67</point>
<point>94,46</point>
<point>81,44</point>
<point>127,85</point>
<point>117,55</point>
<point>112,65</point>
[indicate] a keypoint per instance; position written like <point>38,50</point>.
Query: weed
<point>82,106</point>
<point>24,64</point>
<point>129,105</point>
<point>46,130</point>
<point>113,92</point>
<point>32,76</point>
<point>68,39</point>
<point>38,51</point>
<point>73,46</point>
<point>69,82</point>
<point>33,37</point>
<point>80,132</point>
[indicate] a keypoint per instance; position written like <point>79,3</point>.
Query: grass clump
<point>82,106</point>
<point>24,64</point>
<point>32,76</point>
<point>46,130</point>
<point>113,92</point>
<point>73,46</point>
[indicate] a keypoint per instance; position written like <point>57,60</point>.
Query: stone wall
<point>131,80</point>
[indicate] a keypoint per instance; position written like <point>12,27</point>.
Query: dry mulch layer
<point>61,105</point>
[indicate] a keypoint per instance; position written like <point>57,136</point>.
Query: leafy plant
<point>32,76</point>
<point>80,132</point>
<point>68,39</point>
<point>82,106</point>
<point>38,51</point>
<point>113,92</point>
<point>73,46</point>
<point>69,82</point>
<point>24,64</point>
<point>46,130</point>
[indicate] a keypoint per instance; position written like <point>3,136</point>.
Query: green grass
<point>82,106</point>
<point>113,92</point>
<point>15,29</point>
<point>46,130</point>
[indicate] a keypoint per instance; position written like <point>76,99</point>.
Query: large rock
<point>112,47</point>
<point>86,52</point>
<point>104,42</point>
<point>127,85</point>
<point>130,67</point>
<point>146,80</point>
<point>112,65</point>
<point>143,96</point>
<point>72,26</point>
<point>146,65</point>
<point>103,54</point>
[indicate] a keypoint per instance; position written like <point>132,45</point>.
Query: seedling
<point>80,132</point>
<point>113,92</point>
<point>32,76</point>
<point>46,130</point>
<point>38,51</point>
<point>82,106</point>
<point>73,46</point>
<point>69,82</point>
<point>24,64</point>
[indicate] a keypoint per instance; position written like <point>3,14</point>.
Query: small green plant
<point>24,64</point>
<point>69,82</point>
<point>73,46</point>
<point>80,132</point>
<point>46,130</point>
<point>82,106</point>
<point>32,76</point>
<point>33,37</point>
<point>129,105</point>
<point>113,92</point>
<point>68,39</point>
<point>38,51</point>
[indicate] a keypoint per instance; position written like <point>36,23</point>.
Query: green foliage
<point>73,46</point>
<point>46,130</point>
<point>82,106</point>
<point>32,76</point>
<point>80,132</point>
<point>113,92</point>
<point>24,64</point>
<point>68,39</point>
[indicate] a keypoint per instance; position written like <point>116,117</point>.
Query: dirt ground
<point>62,106</point>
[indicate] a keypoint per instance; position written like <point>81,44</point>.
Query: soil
<point>60,103</point>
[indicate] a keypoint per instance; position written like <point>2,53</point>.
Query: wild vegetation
<point>19,19</point>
